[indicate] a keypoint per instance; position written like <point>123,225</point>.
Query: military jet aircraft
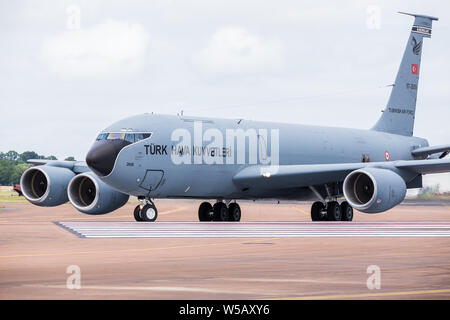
<point>166,156</point>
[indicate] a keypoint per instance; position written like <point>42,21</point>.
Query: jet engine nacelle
<point>90,195</point>
<point>373,190</point>
<point>46,186</point>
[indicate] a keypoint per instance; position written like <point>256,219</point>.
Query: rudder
<point>398,117</point>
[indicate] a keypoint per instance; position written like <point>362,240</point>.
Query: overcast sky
<point>71,68</point>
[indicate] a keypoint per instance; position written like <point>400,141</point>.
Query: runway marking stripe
<point>234,236</point>
<point>276,222</point>
<point>366,295</point>
<point>149,288</point>
<point>209,290</point>
<point>251,229</point>
<point>326,281</point>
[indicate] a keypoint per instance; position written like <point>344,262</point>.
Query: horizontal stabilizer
<point>426,151</point>
<point>424,166</point>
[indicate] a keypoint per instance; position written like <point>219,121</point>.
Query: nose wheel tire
<point>234,212</point>
<point>347,211</point>
<point>148,213</point>
<point>205,211</point>
<point>220,212</point>
<point>137,213</point>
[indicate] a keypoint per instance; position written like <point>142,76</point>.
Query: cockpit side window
<point>130,137</point>
<point>141,136</point>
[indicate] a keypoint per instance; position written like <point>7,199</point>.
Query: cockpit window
<point>116,136</point>
<point>130,137</point>
<point>102,136</point>
<point>141,136</point>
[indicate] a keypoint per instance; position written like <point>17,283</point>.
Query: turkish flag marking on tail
<point>414,68</point>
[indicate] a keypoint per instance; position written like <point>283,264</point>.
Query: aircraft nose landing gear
<point>146,211</point>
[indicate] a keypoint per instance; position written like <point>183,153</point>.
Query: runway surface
<point>255,229</point>
<point>275,252</point>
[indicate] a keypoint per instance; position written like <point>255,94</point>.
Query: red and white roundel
<point>386,155</point>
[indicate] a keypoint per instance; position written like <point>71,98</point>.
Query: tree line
<point>13,164</point>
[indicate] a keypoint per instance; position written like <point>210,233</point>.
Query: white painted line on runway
<point>109,229</point>
<point>147,288</point>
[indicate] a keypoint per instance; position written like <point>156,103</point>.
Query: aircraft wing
<point>75,166</point>
<point>292,176</point>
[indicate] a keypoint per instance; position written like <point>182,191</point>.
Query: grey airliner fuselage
<point>145,168</point>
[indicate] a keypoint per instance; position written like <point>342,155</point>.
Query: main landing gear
<point>332,211</point>
<point>219,212</point>
<point>146,211</point>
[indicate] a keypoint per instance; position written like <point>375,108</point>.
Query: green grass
<point>431,196</point>
<point>7,195</point>
<point>9,199</point>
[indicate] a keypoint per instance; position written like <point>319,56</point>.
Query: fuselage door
<point>152,180</point>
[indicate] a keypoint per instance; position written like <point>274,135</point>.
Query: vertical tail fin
<point>398,117</point>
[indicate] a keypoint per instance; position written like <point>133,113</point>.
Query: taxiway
<point>274,253</point>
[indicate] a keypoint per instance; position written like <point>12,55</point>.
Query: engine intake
<point>88,194</point>
<point>46,185</point>
<point>373,190</point>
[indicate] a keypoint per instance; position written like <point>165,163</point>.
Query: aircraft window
<point>116,136</point>
<point>141,136</point>
<point>129,137</point>
<point>102,136</point>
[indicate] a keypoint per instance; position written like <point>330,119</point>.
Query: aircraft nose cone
<point>103,154</point>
